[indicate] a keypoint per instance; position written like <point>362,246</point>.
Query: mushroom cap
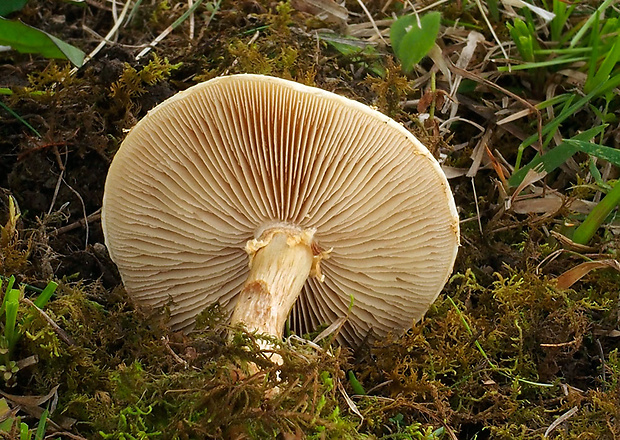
<point>215,165</point>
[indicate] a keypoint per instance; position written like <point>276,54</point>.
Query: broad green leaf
<point>555,157</point>
<point>8,6</point>
<point>411,40</point>
<point>26,39</point>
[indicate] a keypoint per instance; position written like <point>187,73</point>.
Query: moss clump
<point>14,252</point>
<point>123,375</point>
<point>505,360</point>
<point>133,82</point>
<point>390,89</point>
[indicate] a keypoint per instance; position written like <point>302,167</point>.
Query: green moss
<point>133,82</point>
<point>510,368</point>
<point>14,251</point>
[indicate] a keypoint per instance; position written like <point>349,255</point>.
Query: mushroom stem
<point>280,262</point>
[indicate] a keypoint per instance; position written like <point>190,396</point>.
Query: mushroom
<point>279,201</point>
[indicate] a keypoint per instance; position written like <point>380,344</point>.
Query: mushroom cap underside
<point>212,167</point>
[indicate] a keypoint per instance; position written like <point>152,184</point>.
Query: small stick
<point>479,79</point>
<point>78,224</point>
<point>372,21</point>
<point>117,24</point>
<point>564,417</point>
<point>602,354</point>
<point>192,20</point>
<point>59,331</point>
<point>169,29</point>
<point>176,357</point>
<point>77,194</point>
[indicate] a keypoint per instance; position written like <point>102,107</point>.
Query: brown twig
<point>23,154</point>
<point>479,79</point>
<point>59,331</point>
<point>95,216</point>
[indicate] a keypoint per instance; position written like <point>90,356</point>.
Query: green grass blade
<point>12,305</point>
<point>593,61</point>
<point>40,434</point>
<point>27,39</point>
<point>558,23</point>
<point>45,296</point>
<point>560,99</point>
<point>24,432</point>
<point>607,66</point>
<point>355,384</point>
<point>19,118</point>
<point>563,51</point>
<point>607,153</point>
<point>535,65</point>
<point>10,282</point>
<point>600,89</point>
<point>186,14</point>
<point>596,174</point>
<point>493,6</point>
<point>588,24</point>
<point>585,231</point>
<point>555,157</point>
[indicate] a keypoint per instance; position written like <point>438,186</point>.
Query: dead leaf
<point>453,172</point>
<point>30,400</point>
<point>571,276</point>
<point>532,176</point>
<point>479,153</point>
<point>327,10</point>
<point>32,406</point>
<point>570,244</point>
<point>425,102</point>
<point>540,205</point>
<point>334,328</point>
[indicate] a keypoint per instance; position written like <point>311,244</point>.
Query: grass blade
<point>570,111</point>
<point>19,118</point>
<point>607,153</point>
<point>602,73</point>
<point>40,434</point>
<point>12,305</point>
<point>45,296</point>
<point>589,22</point>
<point>9,287</point>
<point>555,157</point>
<point>585,231</point>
